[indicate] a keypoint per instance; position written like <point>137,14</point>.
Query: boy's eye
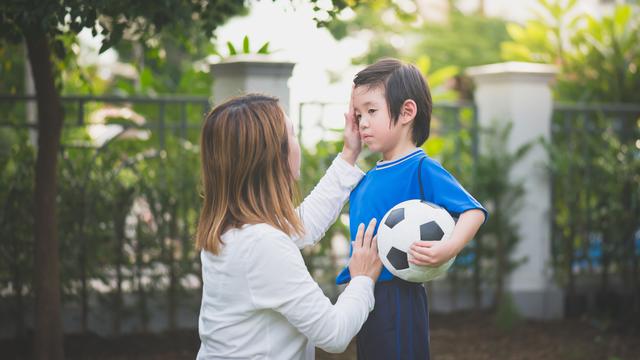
<point>371,111</point>
<point>358,116</point>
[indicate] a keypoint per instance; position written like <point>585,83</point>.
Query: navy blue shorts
<point>398,326</point>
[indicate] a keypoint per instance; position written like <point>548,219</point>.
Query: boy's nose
<point>363,124</point>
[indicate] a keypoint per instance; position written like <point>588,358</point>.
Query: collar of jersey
<point>389,163</point>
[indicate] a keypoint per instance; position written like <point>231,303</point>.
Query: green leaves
<point>232,49</point>
<point>598,58</point>
<point>245,44</point>
<point>533,42</point>
<point>246,48</point>
<point>437,79</point>
<point>440,76</point>
<point>264,49</point>
<point>136,19</point>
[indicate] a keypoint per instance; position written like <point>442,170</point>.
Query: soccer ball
<point>406,223</point>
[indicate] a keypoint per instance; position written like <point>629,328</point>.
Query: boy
<point>392,106</point>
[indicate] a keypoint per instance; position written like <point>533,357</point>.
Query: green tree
<point>395,31</point>
<point>598,59</point>
<point>48,29</point>
<point>17,160</point>
<point>42,24</point>
<point>11,68</point>
<point>598,62</point>
<point>383,19</point>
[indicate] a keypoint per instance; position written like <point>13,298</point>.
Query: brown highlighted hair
<point>246,177</point>
<point>400,83</point>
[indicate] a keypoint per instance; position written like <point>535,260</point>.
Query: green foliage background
<point>127,211</point>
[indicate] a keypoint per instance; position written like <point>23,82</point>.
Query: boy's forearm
<point>466,228</point>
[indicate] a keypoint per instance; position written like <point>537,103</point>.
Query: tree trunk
<point>48,324</point>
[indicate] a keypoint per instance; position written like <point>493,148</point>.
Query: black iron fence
<point>595,168</point>
<point>129,200</point>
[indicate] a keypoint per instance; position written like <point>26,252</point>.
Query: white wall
<point>520,93</point>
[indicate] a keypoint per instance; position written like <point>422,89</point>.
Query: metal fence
<point>595,168</point>
<point>129,201</point>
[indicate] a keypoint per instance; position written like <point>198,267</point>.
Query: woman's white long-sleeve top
<point>259,300</point>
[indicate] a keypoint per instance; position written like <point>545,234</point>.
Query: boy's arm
<point>436,253</point>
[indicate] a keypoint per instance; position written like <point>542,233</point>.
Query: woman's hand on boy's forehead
<point>352,109</point>
<point>350,115</point>
<point>353,88</point>
<point>352,142</point>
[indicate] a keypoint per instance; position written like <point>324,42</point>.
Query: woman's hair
<point>246,177</point>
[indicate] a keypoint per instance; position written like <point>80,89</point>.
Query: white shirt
<point>259,300</point>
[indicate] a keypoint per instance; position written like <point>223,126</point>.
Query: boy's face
<point>374,120</point>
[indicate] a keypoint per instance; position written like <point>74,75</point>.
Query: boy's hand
<point>430,253</point>
<point>352,142</point>
<point>436,253</point>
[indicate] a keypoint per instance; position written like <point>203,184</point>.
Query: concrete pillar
<point>243,74</point>
<point>520,93</point>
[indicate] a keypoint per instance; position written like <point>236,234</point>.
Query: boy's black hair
<point>401,82</point>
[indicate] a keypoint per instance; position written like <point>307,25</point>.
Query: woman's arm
<point>321,208</point>
<point>278,280</point>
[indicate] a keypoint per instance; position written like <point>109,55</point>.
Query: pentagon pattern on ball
<point>398,258</point>
<point>394,218</point>
<point>431,231</point>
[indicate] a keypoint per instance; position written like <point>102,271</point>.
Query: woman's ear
<point>408,111</point>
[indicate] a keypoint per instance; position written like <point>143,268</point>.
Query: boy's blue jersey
<point>392,182</point>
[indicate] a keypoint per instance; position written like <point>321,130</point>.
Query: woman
<point>259,301</point>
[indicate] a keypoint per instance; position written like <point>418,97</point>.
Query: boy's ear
<point>408,111</point>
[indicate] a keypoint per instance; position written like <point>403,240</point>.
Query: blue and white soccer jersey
<point>392,182</point>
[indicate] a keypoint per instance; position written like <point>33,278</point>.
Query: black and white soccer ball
<point>406,223</point>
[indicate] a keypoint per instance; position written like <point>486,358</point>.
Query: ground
<point>458,336</point>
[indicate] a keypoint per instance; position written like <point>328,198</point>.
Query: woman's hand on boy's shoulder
<point>431,253</point>
<point>352,142</point>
